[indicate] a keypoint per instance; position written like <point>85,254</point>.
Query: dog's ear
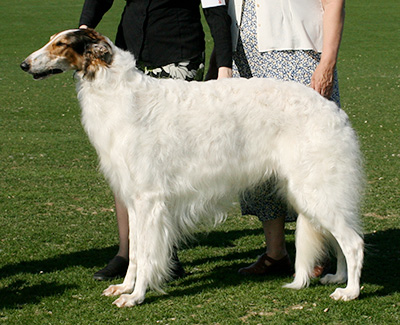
<point>95,50</point>
<point>98,46</point>
<point>100,51</point>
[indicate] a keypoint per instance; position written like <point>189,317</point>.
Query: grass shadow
<point>381,267</point>
<point>87,258</point>
<point>382,261</point>
<point>220,239</point>
<point>22,292</point>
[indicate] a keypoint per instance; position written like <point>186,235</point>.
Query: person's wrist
<point>328,59</point>
<point>224,72</point>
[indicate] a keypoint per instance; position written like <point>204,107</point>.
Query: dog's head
<point>82,50</point>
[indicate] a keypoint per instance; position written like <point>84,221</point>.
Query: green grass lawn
<point>57,224</point>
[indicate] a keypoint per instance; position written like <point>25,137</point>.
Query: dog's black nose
<point>24,66</point>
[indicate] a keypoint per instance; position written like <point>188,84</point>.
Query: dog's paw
<point>116,290</point>
<point>345,294</point>
<point>334,278</point>
<point>128,301</point>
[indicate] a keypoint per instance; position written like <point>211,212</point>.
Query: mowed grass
<point>57,224</point>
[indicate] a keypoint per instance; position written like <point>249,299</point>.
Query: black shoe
<point>116,268</point>
<point>177,268</point>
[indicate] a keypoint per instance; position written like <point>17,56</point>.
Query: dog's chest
<point>105,123</point>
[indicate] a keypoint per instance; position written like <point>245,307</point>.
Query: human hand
<point>83,27</point>
<point>322,80</point>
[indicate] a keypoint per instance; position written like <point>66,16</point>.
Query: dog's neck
<point>122,67</point>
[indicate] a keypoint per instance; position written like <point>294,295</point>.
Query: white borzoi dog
<point>177,153</point>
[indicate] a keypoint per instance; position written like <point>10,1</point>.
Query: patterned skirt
<point>294,65</point>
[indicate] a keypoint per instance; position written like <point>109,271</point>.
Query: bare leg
<point>123,228</point>
<point>274,231</point>
<point>276,259</point>
<point>118,265</point>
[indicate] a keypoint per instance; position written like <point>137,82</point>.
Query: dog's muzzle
<point>26,67</point>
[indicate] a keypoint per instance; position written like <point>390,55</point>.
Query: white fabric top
<point>212,3</point>
<point>283,24</point>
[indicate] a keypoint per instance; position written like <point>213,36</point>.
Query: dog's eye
<point>60,43</point>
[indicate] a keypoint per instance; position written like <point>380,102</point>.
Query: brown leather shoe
<point>282,266</point>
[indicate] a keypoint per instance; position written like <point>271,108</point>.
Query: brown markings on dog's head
<point>85,49</point>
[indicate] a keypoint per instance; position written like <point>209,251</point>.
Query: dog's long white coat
<point>177,153</point>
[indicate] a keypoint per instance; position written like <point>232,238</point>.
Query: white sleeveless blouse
<point>283,24</point>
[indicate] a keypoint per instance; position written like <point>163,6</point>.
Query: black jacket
<point>159,32</point>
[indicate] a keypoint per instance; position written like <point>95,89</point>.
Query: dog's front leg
<point>129,280</point>
<point>128,284</point>
<point>150,243</point>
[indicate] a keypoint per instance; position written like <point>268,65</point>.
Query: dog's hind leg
<point>150,238</point>
<point>341,270</point>
<point>352,246</point>
<point>309,249</point>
